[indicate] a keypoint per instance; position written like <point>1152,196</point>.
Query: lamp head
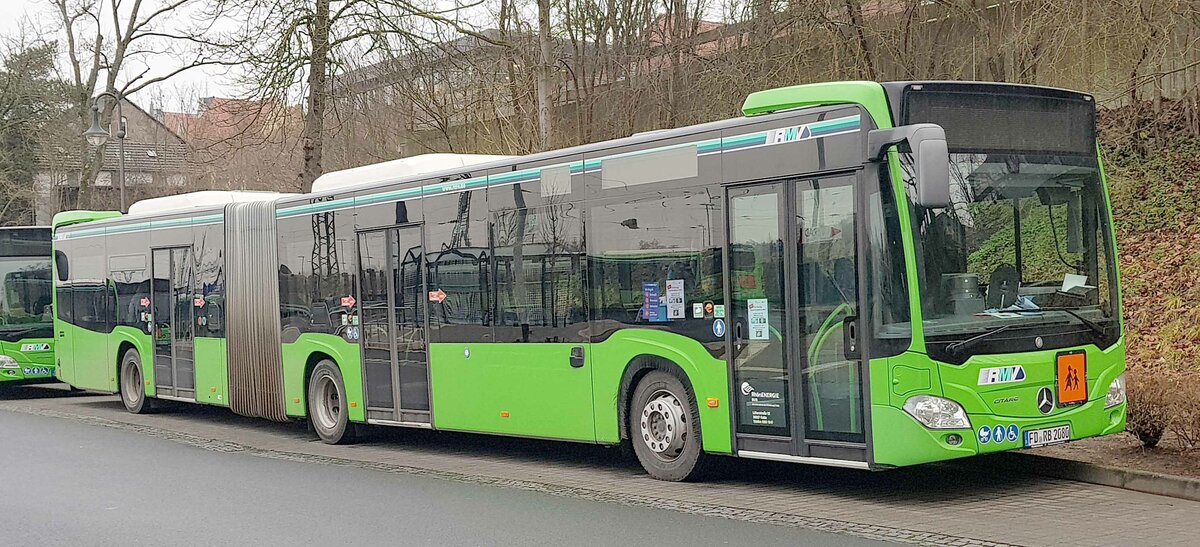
<point>95,134</point>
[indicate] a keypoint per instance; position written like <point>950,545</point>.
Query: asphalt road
<point>63,482</point>
<point>78,469</point>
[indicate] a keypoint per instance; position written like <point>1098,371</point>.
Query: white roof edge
<point>395,170</point>
<point>195,200</point>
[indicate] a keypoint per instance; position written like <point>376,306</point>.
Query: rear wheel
<point>664,428</point>
<point>327,405</point>
<point>133,394</point>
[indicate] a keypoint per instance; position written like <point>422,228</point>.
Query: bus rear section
<point>1017,338</point>
<point>26,320</point>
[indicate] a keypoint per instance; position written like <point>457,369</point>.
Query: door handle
<point>577,357</point>
<point>850,337</point>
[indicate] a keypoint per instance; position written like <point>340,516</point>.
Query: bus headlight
<point>937,412</point>
<point>8,362</point>
<point>1116,392</point>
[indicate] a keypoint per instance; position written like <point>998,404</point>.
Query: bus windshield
<point>1024,243</point>
<point>24,298</point>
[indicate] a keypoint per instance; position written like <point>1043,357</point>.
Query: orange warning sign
<point>1072,378</point>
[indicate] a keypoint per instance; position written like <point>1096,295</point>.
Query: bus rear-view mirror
<point>931,159</point>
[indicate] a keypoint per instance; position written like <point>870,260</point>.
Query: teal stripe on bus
<point>820,128</point>
<point>816,129</point>
<point>138,226</point>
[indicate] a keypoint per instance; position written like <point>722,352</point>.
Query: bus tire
<point>664,428</point>
<point>327,410</point>
<point>133,392</point>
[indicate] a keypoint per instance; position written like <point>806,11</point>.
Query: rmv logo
<point>1001,375</point>
<point>788,134</point>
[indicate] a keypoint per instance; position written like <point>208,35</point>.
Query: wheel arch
<point>310,363</point>
<point>621,360</point>
<point>124,343</point>
<point>302,355</point>
<point>636,369</point>
<point>122,348</point>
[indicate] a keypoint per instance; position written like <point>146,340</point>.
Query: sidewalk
<point>1117,460</point>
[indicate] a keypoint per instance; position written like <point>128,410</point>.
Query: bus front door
<point>174,318</point>
<point>797,371</point>
<point>392,303</point>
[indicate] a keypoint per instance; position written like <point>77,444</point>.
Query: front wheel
<point>664,428</point>
<point>133,394</point>
<point>327,411</point>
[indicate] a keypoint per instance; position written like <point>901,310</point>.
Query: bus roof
<point>67,218</point>
<point>198,200</point>
<point>396,170</point>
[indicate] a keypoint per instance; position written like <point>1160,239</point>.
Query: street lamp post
<point>97,136</point>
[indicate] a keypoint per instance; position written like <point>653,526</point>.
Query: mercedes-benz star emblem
<point>1045,400</point>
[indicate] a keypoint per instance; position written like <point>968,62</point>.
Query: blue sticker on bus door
<point>719,328</point>
<point>651,304</point>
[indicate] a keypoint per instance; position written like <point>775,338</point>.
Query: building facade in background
<point>157,160</point>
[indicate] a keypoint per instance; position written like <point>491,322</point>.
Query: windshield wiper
<point>1094,326</point>
<point>957,346</point>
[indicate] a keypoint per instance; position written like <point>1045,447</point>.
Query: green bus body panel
<point>708,376</point>
<point>868,94</point>
<point>348,358</point>
<point>144,344</point>
<point>34,365</point>
<point>900,440</point>
<point>67,218</point>
<point>531,389</point>
<point>527,389</point>
<point>212,371</point>
<point>94,367</point>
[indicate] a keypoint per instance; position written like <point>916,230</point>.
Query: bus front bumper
<point>900,440</point>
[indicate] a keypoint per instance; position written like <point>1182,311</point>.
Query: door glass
<point>162,314</point>
<point>373,303</point>
<point>826,271</point>
<point>758,310</point>
<point>184,322</point>
<point>410,319</point>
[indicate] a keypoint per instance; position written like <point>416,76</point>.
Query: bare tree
<point>115,45</point>
<point>310,43</point>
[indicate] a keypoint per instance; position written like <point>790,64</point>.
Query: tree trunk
<point>545,71</point>
<point>318,97</point>
<point>854,7</point>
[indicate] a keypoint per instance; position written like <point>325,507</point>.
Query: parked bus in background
<point>26,320</point>
<point>852,274</point>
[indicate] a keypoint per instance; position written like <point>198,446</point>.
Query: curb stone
<point>1129,479</point>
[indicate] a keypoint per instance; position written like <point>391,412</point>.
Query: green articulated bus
<point>852,274</point>
<point>26,321</point>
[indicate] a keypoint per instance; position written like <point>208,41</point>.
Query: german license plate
<point>1047,436</point>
